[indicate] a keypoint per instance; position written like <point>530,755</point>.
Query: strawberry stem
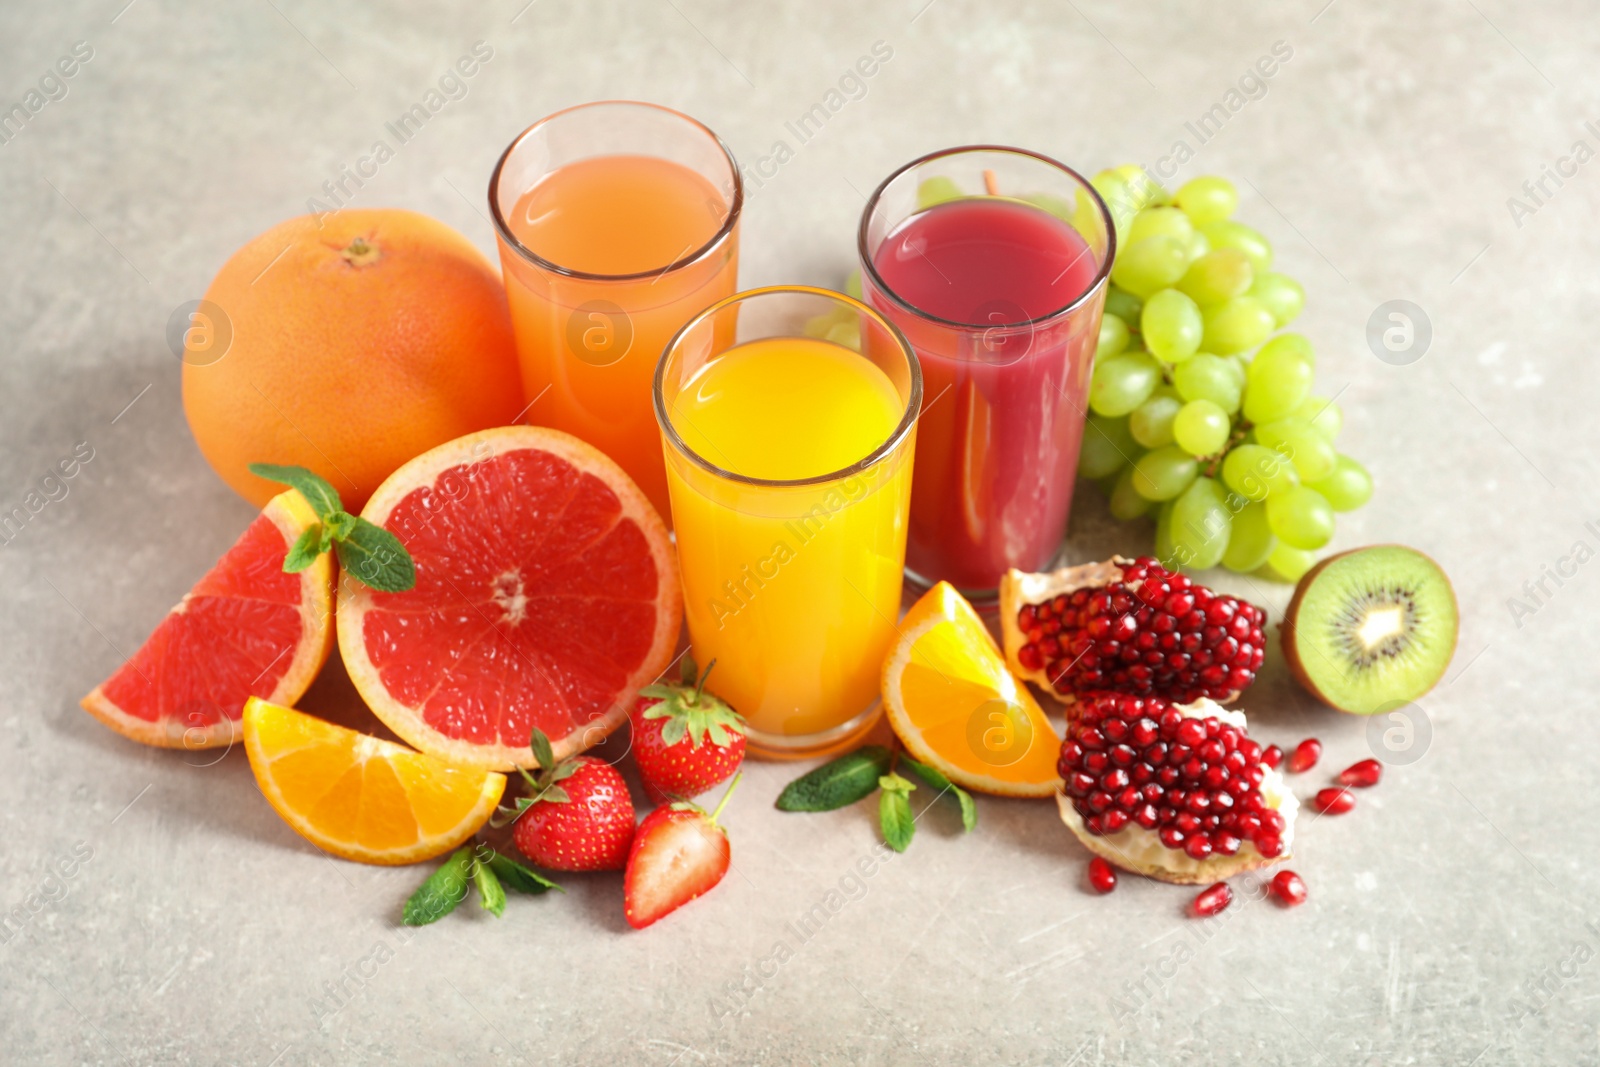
<point>724,801</point>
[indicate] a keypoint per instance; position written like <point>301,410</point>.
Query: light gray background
<point>1447,914</point>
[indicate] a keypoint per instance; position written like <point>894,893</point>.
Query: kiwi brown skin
<point>1292,615</point>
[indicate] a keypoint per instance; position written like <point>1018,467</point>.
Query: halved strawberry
<point>679,853</point>
<point>685,740</point>
<point>579,816</point>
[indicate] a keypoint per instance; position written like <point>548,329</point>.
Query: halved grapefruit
<point>246,629</point>
<point>547,595</point>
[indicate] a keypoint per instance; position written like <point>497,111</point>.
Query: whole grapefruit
<point>353,346</point>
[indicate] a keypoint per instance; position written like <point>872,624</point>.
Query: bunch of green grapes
<point>1229,449</point>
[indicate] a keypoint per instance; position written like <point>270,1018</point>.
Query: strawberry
<point>579,816</point>
<point>684,739</point>
<point>679,853</point>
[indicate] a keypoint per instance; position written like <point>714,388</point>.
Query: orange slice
<point>955,706</point>
<point>361,797</point>
<point>245,629</point>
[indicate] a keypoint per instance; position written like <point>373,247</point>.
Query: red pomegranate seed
<point>1272,756</point>
<point>1289,888</point>
<point>1361,775</point>
<point>1334,801</point>
<point>1212,900</point>
<point>1102,876</point>
<point>1305,757</point>
<point>1151,633</point>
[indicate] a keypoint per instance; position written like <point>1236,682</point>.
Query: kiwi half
<point>1372,629</point>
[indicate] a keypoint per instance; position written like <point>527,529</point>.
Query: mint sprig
<point>366,550</point>
<point>472,866</point>
<point>894,811</point>
<point>872,768</point>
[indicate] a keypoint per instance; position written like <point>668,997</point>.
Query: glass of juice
<point>788,421</point>
<point>993,262</point>
<point>617,221</point>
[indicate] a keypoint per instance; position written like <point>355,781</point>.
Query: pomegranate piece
<point>1272,756</point>
<point>1289,888</point>
<point>1361,775</point>
<point>1129,626</point>
<point>1195,780</point>
<point>1102,876</point>
<point>1213,899</point>
<point>1334,801</point>
<point>1305,757</point>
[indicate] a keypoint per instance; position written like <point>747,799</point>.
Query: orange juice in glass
<point>617,221</point>
<point>788,463</point>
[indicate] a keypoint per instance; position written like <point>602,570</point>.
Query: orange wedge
<point>361,797</point>
<point>955,706</point>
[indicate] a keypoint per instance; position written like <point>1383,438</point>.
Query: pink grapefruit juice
<point>1004,395</point>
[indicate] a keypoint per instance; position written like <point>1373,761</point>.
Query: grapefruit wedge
<point>246,629</point>
<point>547,595</point>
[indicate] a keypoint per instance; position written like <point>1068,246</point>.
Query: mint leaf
<point>376,556</point>
<point>894,811</point>
<point>307,547</point>
<point>838,783</point>
<point>937,780</point>
<point>522,879</point>
<point>323,498</point>
<point>444,889</point>
<point>491,895</point>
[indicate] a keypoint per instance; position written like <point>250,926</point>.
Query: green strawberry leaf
<point>444,889</point>
<point>307,547</point>
<point>323,498</point>
<point>894,811</point>
<point>522,879</point>
<point>542,750</point>
<point>837,783</point>
<point>376,557</point>
<point>936,780</point>
<point>491,894</point>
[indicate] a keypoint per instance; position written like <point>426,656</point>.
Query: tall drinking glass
<point>617,222</point>
<point>789,462</point>
<point>994,263</point>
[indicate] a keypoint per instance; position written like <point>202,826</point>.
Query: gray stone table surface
<point>1398,151</point>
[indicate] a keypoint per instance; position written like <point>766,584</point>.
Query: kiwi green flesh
<point>1374,629</point>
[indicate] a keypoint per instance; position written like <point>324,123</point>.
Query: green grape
<point>1164,535</point>
<point>1228,234</point>
<point>1113,337</point>
<point>1287,563</point>
<point>1151,422</point>
<point>1124,305</point>
<point>1218,276</point>
<point>1201,428</point>
<point>1107,447</point>
<point>1347,487</point>
<point>1278,382</point>
<point>1160,222</point>
<point>1236,325</point>
<point>1240,369</point>
<point>852,284</point>
<point>1296,343</point>
<point>1149,191</point>
<point>1053,204</point>
<point>1313,457</point>
<point>1122,383</point>
<point>1201,525</point>
<point>845,334</point>
<point>1120,201</point>
<point>1255,471</point>
<point>937,190</point>
<point>1322,413</point>
<point>1163,473</point>
<point>819,325</point>
<point>1198,245</point>
<point>1151,264</point>
<point>1302,518</point>
<point>1109,482</point>
<point>1126,503</point>
<point>1280,294</point>
<point>1208,377</point>
<point>1252,540</point>
<point>1207,199</point>
<point>1170,325</point>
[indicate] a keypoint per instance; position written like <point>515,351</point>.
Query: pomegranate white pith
<point>1135,848</point>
